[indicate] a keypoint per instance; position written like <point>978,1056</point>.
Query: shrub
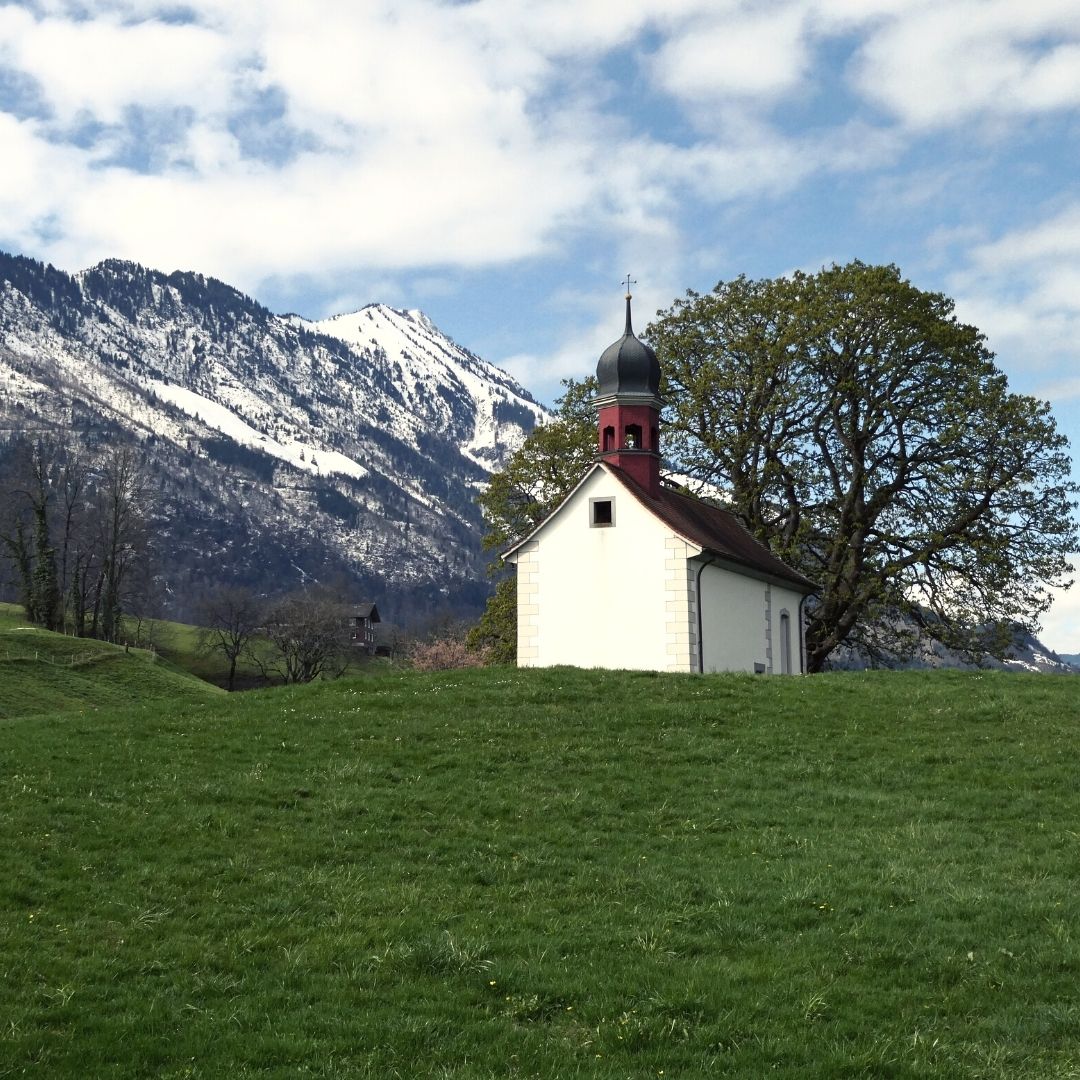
<point>443,653</point>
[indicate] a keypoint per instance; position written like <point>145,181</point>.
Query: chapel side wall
<point>602,593</point>
<point>734,621</point>
<point>742,623</point>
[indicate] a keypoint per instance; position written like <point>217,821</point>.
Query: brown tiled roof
<point>713,529</point>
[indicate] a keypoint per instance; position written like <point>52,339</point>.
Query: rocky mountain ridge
<point>283,450</point>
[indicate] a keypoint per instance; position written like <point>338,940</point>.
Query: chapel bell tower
<point>628,406</point>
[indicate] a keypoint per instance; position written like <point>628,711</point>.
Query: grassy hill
<point>549,874</point>
<point>179,643</point>
<point>44,673</point>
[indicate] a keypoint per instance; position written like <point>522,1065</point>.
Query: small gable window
<point>601,513</point>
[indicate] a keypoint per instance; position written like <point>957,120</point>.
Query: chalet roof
<point>365,611</point>
<point>717,531</point>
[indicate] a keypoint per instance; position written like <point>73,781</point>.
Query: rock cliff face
<point>282,450</point>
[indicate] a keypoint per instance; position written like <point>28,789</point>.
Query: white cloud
<point>418,143</point>
<point>937,64</point>
<point>100,67</point>
<point>414,153</point>
<point>397,206</point>
<point>1062,390</point>
<point>38,180</point>
<point>1056,238</point>
<point>423,133</point>
<point>1023,290</point>
<point>751,54</point>
<point>843,15</point>
<point>419,133</point>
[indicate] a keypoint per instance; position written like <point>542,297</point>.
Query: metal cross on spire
<point>628,282</point>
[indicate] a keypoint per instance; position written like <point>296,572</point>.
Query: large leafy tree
<point>865,434</point>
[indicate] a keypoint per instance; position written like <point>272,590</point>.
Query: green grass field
<point>549,874</point>
<point>177,644</point>
<point>43,673</point>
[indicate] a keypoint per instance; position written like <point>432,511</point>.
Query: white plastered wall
<point>610,596</point>
<point>741,622</point>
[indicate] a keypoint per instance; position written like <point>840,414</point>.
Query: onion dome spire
<point>628,366</point>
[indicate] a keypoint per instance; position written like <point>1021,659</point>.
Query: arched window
<point>609,438</point>
<point>785,643</point>
<point>632,441</point>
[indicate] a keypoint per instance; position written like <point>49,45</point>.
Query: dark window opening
<point>601,512</point>
<point>632,440</point>
<point>609,438</point>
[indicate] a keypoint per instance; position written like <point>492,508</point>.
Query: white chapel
<point>628,573</point>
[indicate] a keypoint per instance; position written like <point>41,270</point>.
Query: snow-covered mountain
<point>481,406</point>
<point>284,449</point>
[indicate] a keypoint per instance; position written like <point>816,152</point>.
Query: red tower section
<point>628,408</point>
<point>629,437</point>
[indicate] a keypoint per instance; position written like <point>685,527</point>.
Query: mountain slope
<point>283,450</point>
<point>476,403</point>
<point>1025,652</point>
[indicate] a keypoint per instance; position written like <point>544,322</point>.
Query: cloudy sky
<point>501,164</point>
